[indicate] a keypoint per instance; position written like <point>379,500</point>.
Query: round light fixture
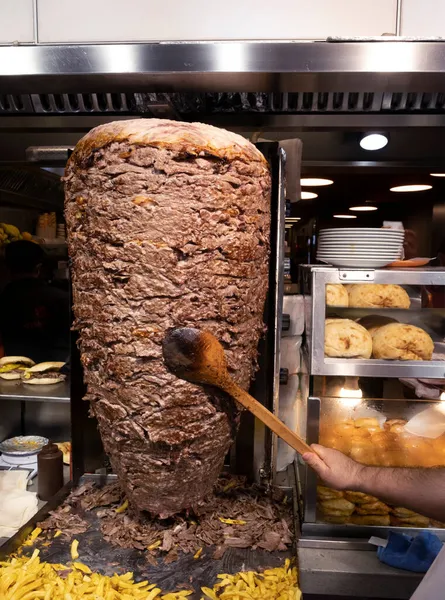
<point>315,182</point>
<point>345,216</point>
<point>373,141</point>
<point>308,195</point>
<point>364,208</point>
<point>411,188</point>
<point>437,174</point>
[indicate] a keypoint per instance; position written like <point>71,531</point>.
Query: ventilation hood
<point>322,67</point>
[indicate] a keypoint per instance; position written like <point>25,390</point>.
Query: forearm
<point>421,490</point>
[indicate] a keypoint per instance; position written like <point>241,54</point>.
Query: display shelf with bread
<point>375,432</point>
<point>375,322</point>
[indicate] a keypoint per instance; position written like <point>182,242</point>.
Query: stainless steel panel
<point>352,574</point>
<point>224,66</point>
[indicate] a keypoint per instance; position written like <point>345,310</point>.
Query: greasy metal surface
<point>224,66</point>
<point>351,573</point>
<point>102,557</point>
<point>319,277</point>
<point>13,390</point>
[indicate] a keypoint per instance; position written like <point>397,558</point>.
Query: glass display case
<point>375,322</point>
<point>374,432</point>
<point>375,356</point>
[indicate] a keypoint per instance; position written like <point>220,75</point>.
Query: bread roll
<point>437,524</point>
<point>336,295</point>
<point>403,513</point>
<point>340,520</point>
<point>382,520</point>
<point>346,339</point>
<point>373,322</point>
<point>363,451</point>
<point>377,295</point>
<point>325,493</point>
<point>359,497</point>
<point>398,341</point>
<point>367,422</point>
<point>373,508</point>
<point>417,521</point>
<point>337,507</point>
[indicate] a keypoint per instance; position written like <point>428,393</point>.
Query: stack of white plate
<point>360,247</point>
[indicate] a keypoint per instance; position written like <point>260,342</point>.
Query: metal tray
<point>102,557</point>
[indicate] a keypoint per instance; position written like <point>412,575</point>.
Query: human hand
<point>334,468</point>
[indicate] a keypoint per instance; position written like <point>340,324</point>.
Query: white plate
<point>362,247</point>
<point>362,230</point>
<point>381,255</point>
<point>342,250</point>
<point>381,233</point>
<point>361,263</point>
<point>354,238</point>
<point>358,231</point>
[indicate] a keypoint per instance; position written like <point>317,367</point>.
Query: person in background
<point>34,316</point>
<point>421,490</point>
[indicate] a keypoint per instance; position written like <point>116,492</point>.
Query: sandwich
<point>13,367</point>
<point>45,373</point>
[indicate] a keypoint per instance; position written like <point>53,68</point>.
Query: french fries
<point>27,578</point>
<point>272,584</point>
<point>30,579</point>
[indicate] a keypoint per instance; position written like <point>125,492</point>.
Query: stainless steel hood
<point>224,67</point>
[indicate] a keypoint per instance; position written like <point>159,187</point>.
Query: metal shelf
<point>14,390</point>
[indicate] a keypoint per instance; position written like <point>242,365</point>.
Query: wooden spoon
<point>197,356</point>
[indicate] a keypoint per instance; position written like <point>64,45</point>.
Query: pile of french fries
<point>28,578</point>
<point>272,584</point>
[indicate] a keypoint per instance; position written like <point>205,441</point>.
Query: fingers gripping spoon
<point>197,356</point>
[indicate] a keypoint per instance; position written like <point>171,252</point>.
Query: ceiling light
<point>308,195</point>
<point>437,174</point>
<point>410,188</point>
<point>373,141</point>
<point>315,181</point>
<point>364,208</point>
<point>345,216</point>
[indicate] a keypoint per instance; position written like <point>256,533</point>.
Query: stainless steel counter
<point>352,571</point>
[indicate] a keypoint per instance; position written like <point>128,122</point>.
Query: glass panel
<point>374,432</point>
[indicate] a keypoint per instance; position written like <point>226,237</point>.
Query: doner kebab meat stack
<point>168,226</point>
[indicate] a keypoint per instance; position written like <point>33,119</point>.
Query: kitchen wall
<point>56,21</point>
<point>59,21</point>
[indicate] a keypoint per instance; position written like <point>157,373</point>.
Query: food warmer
<point>360,407</point>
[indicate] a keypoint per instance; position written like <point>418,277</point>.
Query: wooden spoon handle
<point>268,418</point>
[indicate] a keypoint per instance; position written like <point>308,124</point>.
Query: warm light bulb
<point>308,195</point>
<point>315,181</point>
<point>437,174</point>
<point>364,208</point>
<point>350,398</point>
<point>411,188</point>
<point>373,141</point>
<point>345,216</point>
